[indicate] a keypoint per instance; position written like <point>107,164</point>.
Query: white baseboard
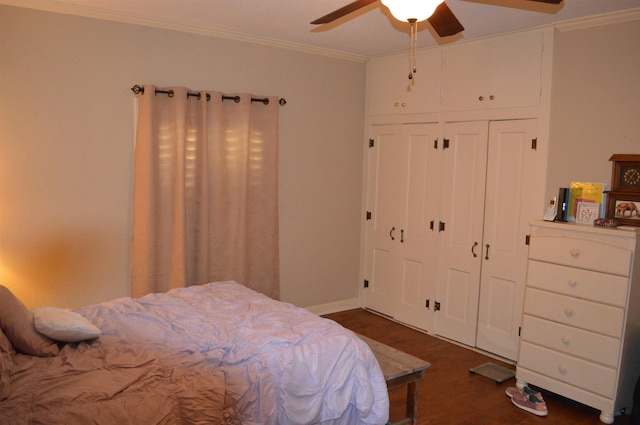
<point>335,307</point>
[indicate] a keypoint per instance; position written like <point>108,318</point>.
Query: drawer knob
<point>574,252</point>
<point>568,311</point>
<point>572,283</point>
<point>565,340</point>
<point>562,369</point>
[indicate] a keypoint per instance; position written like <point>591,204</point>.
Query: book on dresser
<point>580,333</point>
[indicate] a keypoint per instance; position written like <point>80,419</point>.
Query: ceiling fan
<point>441,18</point>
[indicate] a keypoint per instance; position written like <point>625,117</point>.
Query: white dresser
<point>581,324</point>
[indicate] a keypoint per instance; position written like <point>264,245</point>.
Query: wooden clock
<point>623,200</point>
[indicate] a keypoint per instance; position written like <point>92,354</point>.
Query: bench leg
<point>412,401</point>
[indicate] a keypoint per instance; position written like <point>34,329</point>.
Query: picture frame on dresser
<point>623,200</point>
<point>624,207</point>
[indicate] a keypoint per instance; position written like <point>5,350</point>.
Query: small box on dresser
<point>581,323</point>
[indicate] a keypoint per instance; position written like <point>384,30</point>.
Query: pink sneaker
<point>530,403</point>
<point>510,391</point>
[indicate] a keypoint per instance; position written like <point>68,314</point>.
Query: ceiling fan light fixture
<point>406,10</point>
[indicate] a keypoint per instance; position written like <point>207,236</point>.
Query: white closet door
<point>384,200</point>
<point>513,182</point>
<point>417,250</point>
<point>460,245</point>
<point>403,197</point>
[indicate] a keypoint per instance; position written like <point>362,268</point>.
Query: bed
<point>218,353</point>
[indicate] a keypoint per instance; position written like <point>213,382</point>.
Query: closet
<point>395,93</point>
<point>505,72</point>
<point>403,201</point>
<point>450,187</point>
<point>491,184</point>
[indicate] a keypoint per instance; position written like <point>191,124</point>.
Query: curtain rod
<point>137,89</point>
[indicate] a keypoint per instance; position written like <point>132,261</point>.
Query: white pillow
<point>63,325</point>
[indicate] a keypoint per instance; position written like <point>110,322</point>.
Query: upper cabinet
<point>390,91</point>
<point>504,72</point>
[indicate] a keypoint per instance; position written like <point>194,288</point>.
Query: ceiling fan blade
<point>548,1</point>
<point>343,11</point>
<point>444,22</point>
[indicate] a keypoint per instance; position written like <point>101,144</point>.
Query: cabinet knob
<point>396,104</point>
<point>491,97</point>
<point>404,104</point>
<point>562,369</point>
<point>568,311</point>
<point>481,98</point>
<point>565,340</point>
<point>572,283</point>
<point>574,252</point>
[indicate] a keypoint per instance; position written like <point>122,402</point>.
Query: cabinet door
<point>403,196</point>
<point>390,91</point>
<point>515,185</point>
<point>515,64</point>
<point>499,73</point>
<point>464,77</point>
<point>460,244</point>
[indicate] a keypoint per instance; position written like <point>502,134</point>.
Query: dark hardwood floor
<point>449,394</point>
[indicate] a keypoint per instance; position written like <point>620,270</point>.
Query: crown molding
<point>135,19</point>
<point>599,20</point>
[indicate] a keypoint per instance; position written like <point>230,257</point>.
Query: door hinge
<point>527,239</point>
<point>445,143</point>
<point>436,306</point>
<point>435,144</point>
<point>441,227</point>
<point>368,215</point>
<point>366,283</point>
<point>371,143</point>
<point>534,144</point>
<point>426,304</point>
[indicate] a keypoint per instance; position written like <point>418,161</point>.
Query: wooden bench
<point>400,368</point>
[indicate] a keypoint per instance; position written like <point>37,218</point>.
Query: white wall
<point>595,102</point>
<point>66,140</point>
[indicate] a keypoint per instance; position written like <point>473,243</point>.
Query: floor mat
<point>493,371</point>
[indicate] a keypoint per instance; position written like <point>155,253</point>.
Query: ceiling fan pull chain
<point>412,47</point>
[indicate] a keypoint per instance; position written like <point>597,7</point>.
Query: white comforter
<point>281,364</point>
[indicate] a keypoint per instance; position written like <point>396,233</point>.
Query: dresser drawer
<point>573,341</point>
<point>582,253</point>
<point>581,373</point>
<point>595,286</point>
<point>583,314</point>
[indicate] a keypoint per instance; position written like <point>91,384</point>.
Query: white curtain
<point>205,198</point>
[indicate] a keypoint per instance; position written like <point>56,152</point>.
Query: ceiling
<point>369,32</point>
